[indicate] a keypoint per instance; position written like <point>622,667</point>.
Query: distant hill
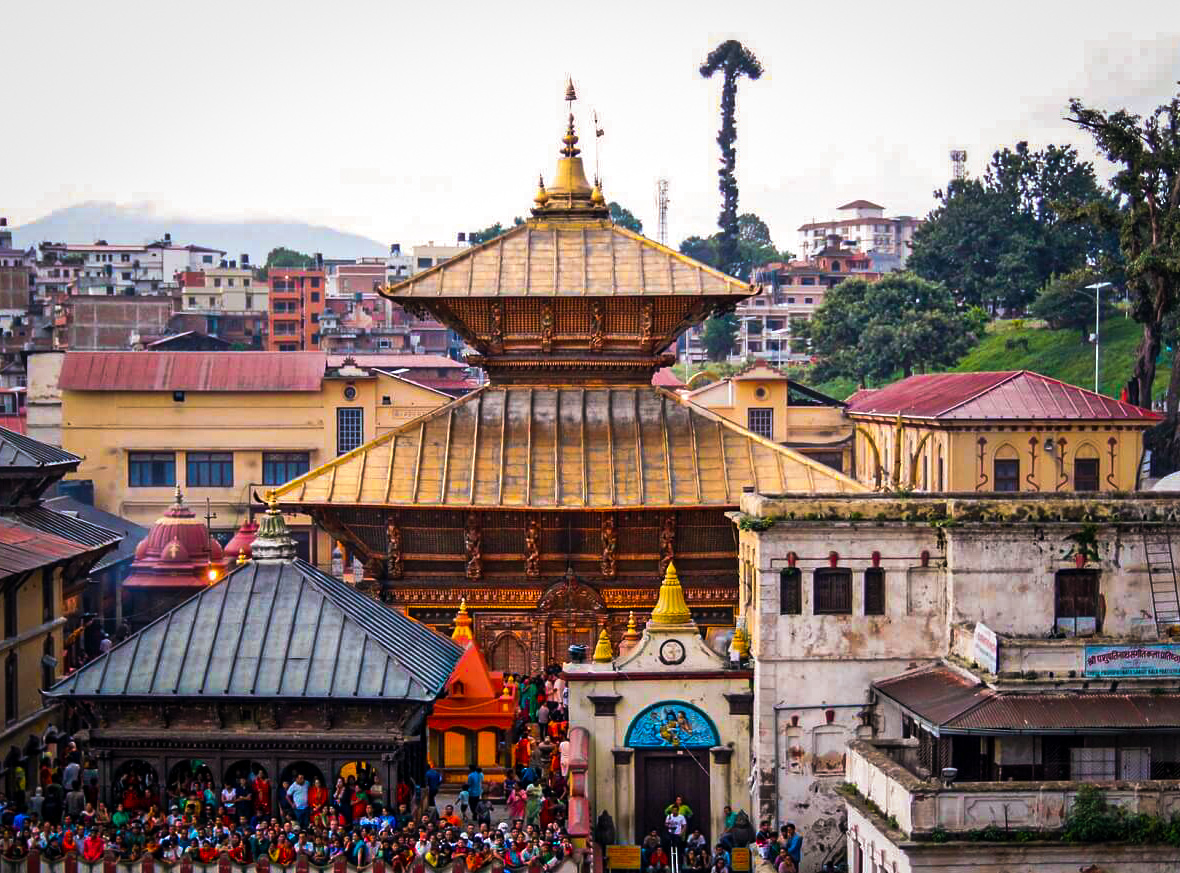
<point>94,220</point>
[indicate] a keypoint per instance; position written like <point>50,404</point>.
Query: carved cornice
<point>528,598</point>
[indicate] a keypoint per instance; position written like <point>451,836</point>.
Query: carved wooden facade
<point>553,498</point>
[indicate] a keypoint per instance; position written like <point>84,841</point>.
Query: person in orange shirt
<point>282,853</point>
<point>450,818</point>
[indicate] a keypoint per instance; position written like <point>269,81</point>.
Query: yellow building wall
<point>28,645</point>
<point>1040,470</point>
<point>104,427</point>
<point>800,426</point>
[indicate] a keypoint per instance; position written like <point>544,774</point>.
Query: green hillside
<point>1064,355</point>
<point>1010,345</point>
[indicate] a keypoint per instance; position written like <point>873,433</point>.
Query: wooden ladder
<point>1161,571</point>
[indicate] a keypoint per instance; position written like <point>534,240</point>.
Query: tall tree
<point>624,217</point>
<point>995,241</point>
<point>733,60</point>
<point>492,231</point>
<point>1147,152</point>
<point>872,330</point>
<point>285,257</point>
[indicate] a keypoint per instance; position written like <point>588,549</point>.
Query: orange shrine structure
<point>470,724</point>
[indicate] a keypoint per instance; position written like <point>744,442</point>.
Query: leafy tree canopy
<point>718,336</point>
<point>1146,151</point>
<point>1065,302</point>
<point>285,257</point>
<point>871,330</point>
<point>623,217</point>
<point>996,240</point>
<point>492,231</point>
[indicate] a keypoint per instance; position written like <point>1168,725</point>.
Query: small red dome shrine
<point>241,541</point>
<point>176,559</point>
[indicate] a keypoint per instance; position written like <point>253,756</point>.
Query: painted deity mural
<point>672,723</point>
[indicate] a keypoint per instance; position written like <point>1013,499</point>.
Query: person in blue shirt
<point>433,781</point>
<point>475,785</point>
<point>794,844</point>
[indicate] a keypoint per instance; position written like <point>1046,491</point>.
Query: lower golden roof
<point>534,447</point>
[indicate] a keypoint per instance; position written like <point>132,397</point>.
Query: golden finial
<point>242,559</point>
<point>570,139</point>
<point>272,499</point>
<point>596,195</point>
<point>462,633</point>
<point>178,496</point>
<point>741,639</point>
<point>602,651</point>
<point>671,608</point>
<point>570,94</point>
<point>542,195</point>
<point>631,636</point>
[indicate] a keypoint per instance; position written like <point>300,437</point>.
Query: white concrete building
<point>862,224</point>
<point>841,593</point>
<point>114,269</point>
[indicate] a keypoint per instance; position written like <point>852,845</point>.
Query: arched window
<point>1086,469</point>
<point>1007,469</point>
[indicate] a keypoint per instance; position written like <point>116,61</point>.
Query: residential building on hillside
<point>118,269</point>
<point>1016,612</point>
<point>224,426</point>
<point>431,255</point>
<point>864,225</point>
<point>43,571</point>
<point>1006,431</point>
<point>17,281</point>
<point>763,400</point>
<point>233,302</point>
<point>398,265</point>
<point>297,300</point>
<point>434,371</point>
<point>792,292</point>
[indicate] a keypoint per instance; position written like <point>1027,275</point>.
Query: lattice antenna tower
<point>662,211</point>
<point>958,164</point>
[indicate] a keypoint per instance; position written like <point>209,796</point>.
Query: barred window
<point>350,429</point>
<point>147,469</point>
<point>833,591</point>
<point>761,422</point>
<point>790,592</point>
<point>279,468</point>
<point>209,469</point>
<point>874,591</point>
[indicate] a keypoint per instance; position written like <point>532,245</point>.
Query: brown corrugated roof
<point>861,204</point>
<point>935,694</point>
<point>396,361</point>
<point>24,548</point>
<point>192,371</point>
<point>1009,394</point>
<point>1081,711</point>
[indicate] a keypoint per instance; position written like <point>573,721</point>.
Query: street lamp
<point>1097,286</point>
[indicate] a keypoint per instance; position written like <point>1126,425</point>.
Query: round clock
<point>672,652</point>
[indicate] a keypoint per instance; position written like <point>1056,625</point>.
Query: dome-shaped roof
<point>178,547</point>
<point>241,541</point>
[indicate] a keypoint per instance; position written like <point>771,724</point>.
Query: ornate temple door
<point>509,655</point>
<point>570,630</point>
<point>662,775</point>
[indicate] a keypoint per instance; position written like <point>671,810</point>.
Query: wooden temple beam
<point>389,470</point>
<point>582,447</point>
<point>724,462</point>
<point>610,439</point>
<point>418,461</point>
<point>696,467</point>
<point>503,435</point>
<point>528,461</point>
<point>638,447</point>
<point>667,449</point>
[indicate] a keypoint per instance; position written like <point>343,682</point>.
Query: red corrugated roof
<point>192,371</point>
<point>396,361</point>
<point>25,548</point>
<point>14,422</point>
<point>1011,394</point>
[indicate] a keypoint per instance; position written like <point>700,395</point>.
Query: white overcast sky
<point>409,122</point>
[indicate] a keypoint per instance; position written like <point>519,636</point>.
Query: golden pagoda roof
<point>550,447</point>
<point>591,258</point>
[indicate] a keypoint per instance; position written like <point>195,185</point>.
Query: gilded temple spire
<point>671,608</point>
<point>570,196</point>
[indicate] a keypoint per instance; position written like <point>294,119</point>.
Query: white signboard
<point>985,648</point>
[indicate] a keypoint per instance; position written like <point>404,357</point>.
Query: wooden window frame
<point>1013,479</point>
<point>790,591</point>
<point>1095,479</point>
<point>874,591</point>
<point>826,599</point>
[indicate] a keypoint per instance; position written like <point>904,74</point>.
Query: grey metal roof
<point>132,534</point>
<point>273,630</point>
<point>18,450</point>
<point>66,526</point>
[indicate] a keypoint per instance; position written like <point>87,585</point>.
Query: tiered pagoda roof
<point>570,316</point>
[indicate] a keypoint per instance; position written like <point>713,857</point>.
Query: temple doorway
<point>573,611</point>
<point>509,654</point>
<point>660,777</point>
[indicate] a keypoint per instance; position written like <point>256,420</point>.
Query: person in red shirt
<point>657,861</point>
<point>93,847</point>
